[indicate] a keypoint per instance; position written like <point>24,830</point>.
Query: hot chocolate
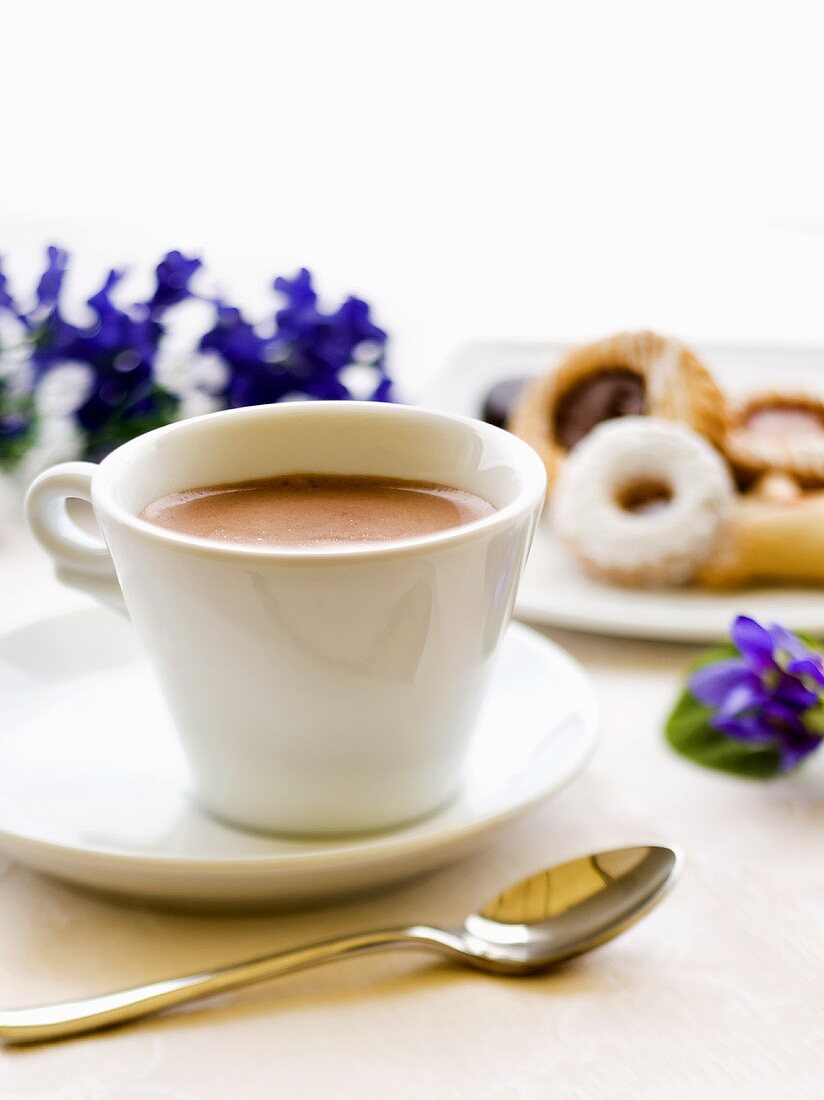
<point>306,511</point>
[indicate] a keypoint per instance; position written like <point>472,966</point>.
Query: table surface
<point>716,991</point>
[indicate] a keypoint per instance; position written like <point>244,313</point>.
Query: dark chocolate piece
<point>604,395</point>
<point>500,400</point>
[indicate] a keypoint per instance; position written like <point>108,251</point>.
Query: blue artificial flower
<point>119,345</point>
<point>771,695</point>
<point>6,300</point>
<point>303,351</point>
<point>320,345</point>
<point>173,275</point>
<point>51,281</point>
<point>304,354</point>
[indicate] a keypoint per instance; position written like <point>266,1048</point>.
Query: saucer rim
<point>373,847</point>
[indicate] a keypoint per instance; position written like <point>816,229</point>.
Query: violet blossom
<point>770,695</point>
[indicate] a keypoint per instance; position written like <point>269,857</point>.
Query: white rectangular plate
<point>554,591</point>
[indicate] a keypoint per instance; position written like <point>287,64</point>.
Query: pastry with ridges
<point>630,374</point>
<point>781,432</point>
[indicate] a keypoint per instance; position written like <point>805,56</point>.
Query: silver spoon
<point>554,915</point>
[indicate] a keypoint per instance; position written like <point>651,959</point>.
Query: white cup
<point>316,691</point>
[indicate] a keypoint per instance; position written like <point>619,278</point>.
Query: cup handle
<point>81,560</point>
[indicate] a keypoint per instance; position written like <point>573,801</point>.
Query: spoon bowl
<point>569,909</point>
<point>540,921</point>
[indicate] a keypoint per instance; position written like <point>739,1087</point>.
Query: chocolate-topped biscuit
<point>604,395</point>
<point>778,432</point>
<point>630,374</point>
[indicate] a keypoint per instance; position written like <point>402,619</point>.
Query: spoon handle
<point>58,1021</point>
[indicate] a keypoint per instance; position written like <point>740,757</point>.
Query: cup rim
<point>530,468</point>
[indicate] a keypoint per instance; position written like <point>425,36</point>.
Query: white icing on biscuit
<point>664,546</point>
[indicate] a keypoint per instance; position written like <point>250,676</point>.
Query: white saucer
<point>94,789</point>
<point>554,591</point>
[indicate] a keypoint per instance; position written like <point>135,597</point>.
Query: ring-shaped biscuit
<point>630,374</point>
<point>643,502</point>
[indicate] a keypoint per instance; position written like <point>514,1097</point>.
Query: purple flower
<point>306,352</point>
<point>6,300</point>
<point>51,281</point>
<point>173,275</point>
<point>8,303</point>
<point>771,694</point>
<point>119,345</point>
<point>136,383</point>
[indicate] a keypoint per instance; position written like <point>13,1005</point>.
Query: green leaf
<point>121,427</point>
<point>816,644</point>
<point>689,732</point>
<point>13,450</point>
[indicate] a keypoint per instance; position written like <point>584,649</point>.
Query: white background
<point>518,170</point>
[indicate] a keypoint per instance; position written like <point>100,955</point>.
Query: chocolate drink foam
<point>306,511</point>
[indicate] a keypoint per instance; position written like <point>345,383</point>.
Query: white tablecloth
<point>716,994</point>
